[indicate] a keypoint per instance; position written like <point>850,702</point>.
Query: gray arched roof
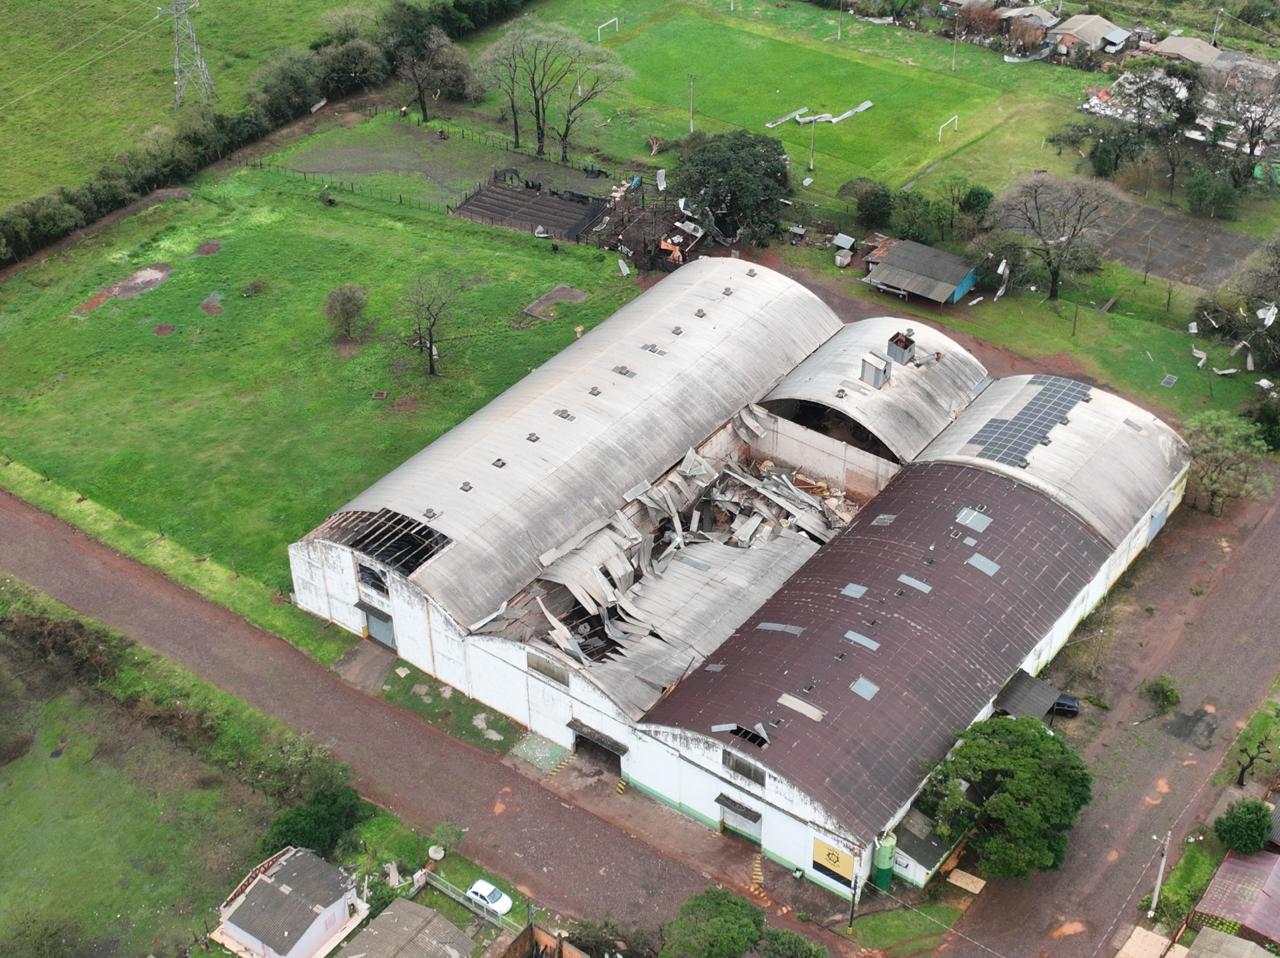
<point>610,413</point>
<point>915,405</point>
<point>1108,463</point>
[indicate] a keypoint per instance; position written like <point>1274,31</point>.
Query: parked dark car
<point>1067,706</point>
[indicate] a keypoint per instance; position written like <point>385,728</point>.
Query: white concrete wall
<point>685,770</point>
<point>321,930</point>
<point>821,457</point>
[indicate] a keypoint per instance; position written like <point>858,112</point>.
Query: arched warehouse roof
<point>1098,455</point>
<point>921,397</point>
<point>586,432</point>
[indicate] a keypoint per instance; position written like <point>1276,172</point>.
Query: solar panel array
<point>1009,440</point>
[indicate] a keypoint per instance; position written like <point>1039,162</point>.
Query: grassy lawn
<point>1129,349</point>
<point>84,80</point>
<point>451,711</point>
<point>113,827</point>
<point>205,442</point>
<point>905,933</point>
<point>1263,724</point>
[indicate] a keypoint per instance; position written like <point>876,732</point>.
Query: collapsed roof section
<point>580,436</point>
<point>1098,455</point>
<point>643,601</point>
<point>898,632</point>
<point>931,379</point>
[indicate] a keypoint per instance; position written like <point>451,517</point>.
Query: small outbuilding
<point>1189,50</point>
<point>1242,898</point>
<point>293,905</point>
<point>406,929</point>
<point>904,266</point>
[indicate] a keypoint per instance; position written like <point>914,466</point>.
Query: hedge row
<point>284,90</point>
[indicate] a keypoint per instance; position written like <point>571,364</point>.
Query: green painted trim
<point>774,856</point>
<point>693,813</point>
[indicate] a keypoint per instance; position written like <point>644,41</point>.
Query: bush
<point>347,67</point>
<point>344,309</point>
<point>976,201</point>
<point>1245,827</point>
<point>318,823</point>
<point>873,202</point>
<point>1162,693</point>
<point>781,943</point>
<point>713,924</point>
<point>380,896</point>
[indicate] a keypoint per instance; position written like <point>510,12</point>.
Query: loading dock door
<point>380,627</point>
<point>739,819</point>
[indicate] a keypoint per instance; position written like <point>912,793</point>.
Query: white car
<point>490,898</point>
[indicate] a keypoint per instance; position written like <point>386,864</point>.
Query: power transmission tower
<point>188,61</point>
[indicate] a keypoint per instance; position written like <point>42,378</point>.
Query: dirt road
<point>1219,648</point>
<point>566,858</point>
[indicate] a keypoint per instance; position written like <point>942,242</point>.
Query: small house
<point>1188,50</point>
<point>1095,32</point>
<point>293,905</point>
<point>1242,898</point>
<point>904,267</point>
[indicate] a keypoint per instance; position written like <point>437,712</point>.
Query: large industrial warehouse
<point>770,561</point>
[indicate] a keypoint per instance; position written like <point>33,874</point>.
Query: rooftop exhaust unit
<point>902,347</point>
<point>876,369</point>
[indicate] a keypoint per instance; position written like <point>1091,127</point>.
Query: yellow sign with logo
<point>835,863</point>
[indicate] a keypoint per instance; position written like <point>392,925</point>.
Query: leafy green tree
<point>1227,458</point>
<point>1212,195</point>
<point>1162,693</point>
<point>873,201</point>
<point>740,178</point>
<point>953,187</point>
<point>918,218</point>
<point>713,924</point>
<point>1026,789</point>
<point>317,823</point>
<point>976,201</point>
<point>1245,827</point>
<point>380,896</point>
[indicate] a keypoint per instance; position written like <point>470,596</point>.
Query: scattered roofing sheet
<point>920,400</point>
<point>942,656</point>
<point>1095,464</point>
<point>278,908</point>
<point>1245,891</point>
<point>1025,696</point>
<point>406,929</point>
<point>923,270</point>
<point>756,326</point>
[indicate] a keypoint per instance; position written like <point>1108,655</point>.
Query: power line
<point>123,42</point>
<point>14,81</point>
<point>943,925</point>
<point>188,60</point>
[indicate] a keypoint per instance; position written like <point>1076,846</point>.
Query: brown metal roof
<point>1245,891</point>
<point>927,602</point>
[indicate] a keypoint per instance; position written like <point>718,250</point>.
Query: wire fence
<point>326,182</point>
<point>503,922</point>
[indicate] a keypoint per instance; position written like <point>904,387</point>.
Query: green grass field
<point>905,933</point>
<point>112,828</point>
<point>771,59</point>
<point>82,81</point>
<point>230,435</point>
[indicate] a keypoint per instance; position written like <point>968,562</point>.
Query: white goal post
<point>600,29</point>
<point>954,121</point>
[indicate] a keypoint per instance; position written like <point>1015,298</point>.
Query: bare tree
<point>598,72</point>
<point>348,23</point>
<point>501,65</point>
<point>427,304</point>
<point>434,65</point>
<point>978,17</point>
<point>1025,34</point>
<point>1056,215</point>
<point>549,58</point>
<point>1254,114</point>
<point>953,187</point>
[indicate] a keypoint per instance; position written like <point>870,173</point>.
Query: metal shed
<point>910,267</point>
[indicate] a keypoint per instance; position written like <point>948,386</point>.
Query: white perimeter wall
<point>821,457</point>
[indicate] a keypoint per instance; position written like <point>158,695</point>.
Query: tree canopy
<point>1245,826</point>
<point>1056,216</point>
<point>1227,455</point>
<point>1026,789</point>
<point>713,924</point>
<point>740,178</point>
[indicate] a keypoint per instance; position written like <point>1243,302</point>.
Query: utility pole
<point>692,79</point>
<point>1164,854</point>
<point>188,61</point>
<point>1217,22</point>
<point>813,134</point>
<point>955,39</point>
<point>840,21</point>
